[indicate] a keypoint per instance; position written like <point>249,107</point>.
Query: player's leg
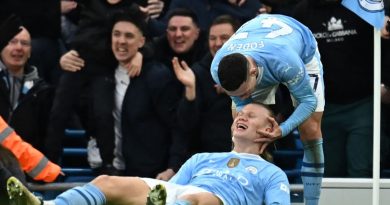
<point>312,169</point>
<point>85,195</point>
<point>203,198</point>
<point>168,193</point>
<point>122,190</point>
<point>102,190</point>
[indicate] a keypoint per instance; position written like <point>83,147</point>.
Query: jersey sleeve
<point>298,84</point>
<point>277,191</point>
<point>184,175</point>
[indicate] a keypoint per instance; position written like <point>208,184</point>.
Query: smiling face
<point>251,118</point>
<point>218,35</point>
<point>17,52</point>
<point>126,39</point>
<point>182,33</point>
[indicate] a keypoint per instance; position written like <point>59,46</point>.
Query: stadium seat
<point>74,158</point>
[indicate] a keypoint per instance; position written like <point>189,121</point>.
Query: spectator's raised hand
<point>71,61</point>
<point>155,7</point>
<point>186,76</point>
<point>183,72</point>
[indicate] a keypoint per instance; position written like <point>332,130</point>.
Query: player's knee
<point>102,180</point>
<point>310,130</point>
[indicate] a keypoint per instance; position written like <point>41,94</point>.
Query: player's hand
<point>266,137</point>
<point>71,61</point>
<point>135,65</point>
<point>166,175</point>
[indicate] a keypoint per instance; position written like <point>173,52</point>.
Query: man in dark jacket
<point>206,110</point>
<point>25,99</point>
<point>145,108</point>
<point>95,67</point>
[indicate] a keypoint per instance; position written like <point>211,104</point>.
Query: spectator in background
<point>206,11</point>
<point>42,18</point>
<point>25,99</point>
<point>348,117</point>
<point>16,155</point>
<point>146,127</point>
<point>89,65</point>
<point>183,39</point>
<point>69,21</point>
<point>205,109</point>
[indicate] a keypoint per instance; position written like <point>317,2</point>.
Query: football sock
<point>182,202</point>
<point>88,194</point>
<point>312,170</point>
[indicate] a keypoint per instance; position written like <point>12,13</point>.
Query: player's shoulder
<point>209,154</point>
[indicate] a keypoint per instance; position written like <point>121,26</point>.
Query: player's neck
<point>242,146</point>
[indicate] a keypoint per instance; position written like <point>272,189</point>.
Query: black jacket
<point>209,115</point>
<point>152,141</point>
<point>29,118</point>
<point>346,45</point>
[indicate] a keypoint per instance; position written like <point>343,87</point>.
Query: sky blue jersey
<point>237,178</point>
<point>280,46</point>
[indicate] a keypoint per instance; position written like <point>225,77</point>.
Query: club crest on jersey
<point>233,162</point>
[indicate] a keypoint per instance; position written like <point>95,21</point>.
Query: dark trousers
<point>100,104</point>
<point>348,139</point>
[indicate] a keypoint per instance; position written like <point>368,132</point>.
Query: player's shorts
<point>314,70</point>
<point>174,191</point>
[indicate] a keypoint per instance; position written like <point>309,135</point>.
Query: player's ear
<point>253,71</point>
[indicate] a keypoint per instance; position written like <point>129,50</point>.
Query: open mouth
<point>241,126</point>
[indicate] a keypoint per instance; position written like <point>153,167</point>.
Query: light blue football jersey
<point>237,178</point>
<point>281,46</point>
